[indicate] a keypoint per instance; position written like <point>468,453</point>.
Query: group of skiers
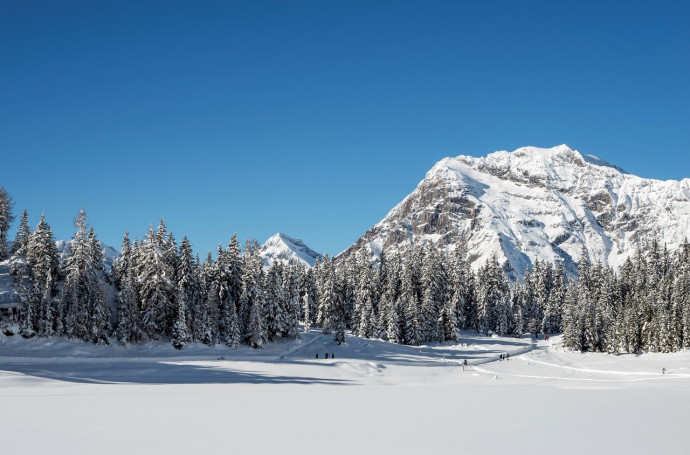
<point>505,356</point>
<point>326,356</point>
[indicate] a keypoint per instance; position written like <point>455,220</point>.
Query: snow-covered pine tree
<point>346,279</point>
<point>208,327</point>
<point>100,315</point>
<point>434,291</point>
<point>647,288</point>
<point>188,279</point>
<point>492,295</point>
<point>572,330</point>
<point>252,297</point>
<point>407,301</point>
<point>291,280</point>
<point>45,328</point>
<point>100,307</point>
<point>339,322</point>
<point>230,277</point>
<point>530,312</point>
<point>233,337</point>
<point>21,239</point>
<point>364,316</point>
<point>457,287</point>
<point>517,298</point>
<point>123,262</point>
<point>327,294</point>
<point>201,328</point>
<point>127,316</point>
<point>180,330</point>
<point>6,218</point>
<point>306,312</point>
<point>219,276</point>
<point>681,293</point>
<point>469,313</point>
<point>543,285</point>
<point>275,302</point>
<point>608,310</point>
<point>587,297</point>
<point>553,312</point>
<point>42,267</point>
<point>79,282</point>
<point>309,290</point>
<point>256,328</point>
<point>389,314</point>
<point>86,308</point>
<point>448,323</point>
<point>157,278</point>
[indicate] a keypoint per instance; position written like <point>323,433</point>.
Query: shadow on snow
<point>156,372</point>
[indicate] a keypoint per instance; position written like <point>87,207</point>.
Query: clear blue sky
<point>316,118</point>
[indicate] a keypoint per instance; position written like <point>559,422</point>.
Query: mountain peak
<point>534,204</point>
<point>287,249</point>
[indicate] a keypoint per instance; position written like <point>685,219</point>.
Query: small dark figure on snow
<point>663,371</point>
<point>326,356</point>
<point>332,356</point>
<point>465,362</point>
<point>500,357</point>
<point>317,355</point>
<point>507,356</point>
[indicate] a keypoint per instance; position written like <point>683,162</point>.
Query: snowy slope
<point>535,203</point>
<point>287,249</point>
<point>63,397</point>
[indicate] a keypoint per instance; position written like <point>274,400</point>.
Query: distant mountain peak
<point>287,249</point>
<point>534,204</point>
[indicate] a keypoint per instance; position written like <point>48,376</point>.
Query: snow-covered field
<point>374,397</point>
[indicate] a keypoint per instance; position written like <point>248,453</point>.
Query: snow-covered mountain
<point>535,203</point>
<point>287,249</point>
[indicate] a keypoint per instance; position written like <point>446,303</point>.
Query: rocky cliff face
<point>535,203</point>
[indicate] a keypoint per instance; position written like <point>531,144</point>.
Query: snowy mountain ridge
<point>288,250</point>
<point>535,204</point>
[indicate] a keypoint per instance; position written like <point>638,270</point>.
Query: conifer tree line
<point>159,289</point>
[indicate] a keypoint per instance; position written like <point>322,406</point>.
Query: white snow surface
<point>537,203</point>
<point>63,397</point>
<point>281,247</point>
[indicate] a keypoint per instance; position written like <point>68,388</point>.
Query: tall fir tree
<point>180,330</point>
<point>326,282</point>
<point>127,316</point>
<point>275,303</point>
<point>158,284</point>
<point>21,239</point>
<point>6,218</point>
<point>252,297</point>
<point>42,269</point>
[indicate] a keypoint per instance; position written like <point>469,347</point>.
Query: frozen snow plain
<point>61,397</point>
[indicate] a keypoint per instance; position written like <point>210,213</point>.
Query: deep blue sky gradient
<point>316,118</point>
